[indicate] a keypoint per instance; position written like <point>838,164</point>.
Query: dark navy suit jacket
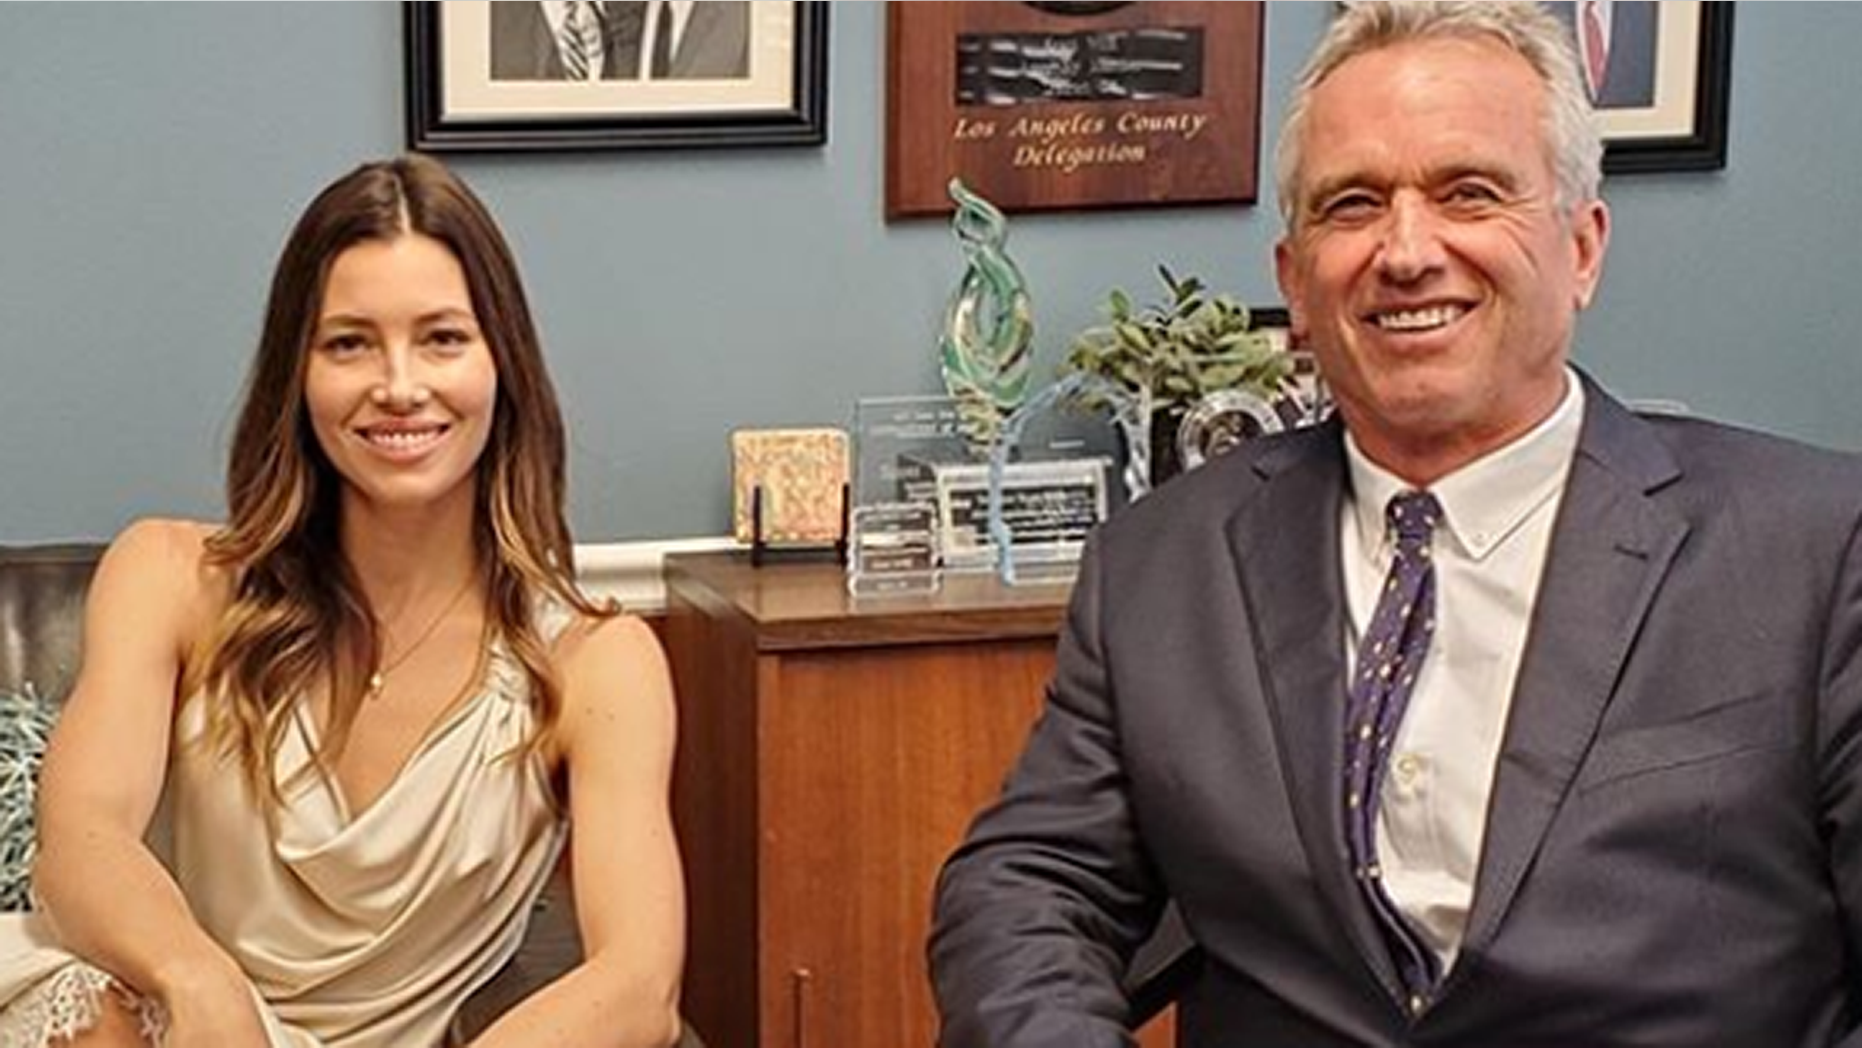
<point>1673,853</point>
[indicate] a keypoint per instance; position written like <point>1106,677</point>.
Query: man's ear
<point>1590,235</point>
<point>1292,286</point>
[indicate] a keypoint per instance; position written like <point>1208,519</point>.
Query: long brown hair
<point>298,617</point>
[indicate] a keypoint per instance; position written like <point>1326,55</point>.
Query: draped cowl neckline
<point>370,931</point>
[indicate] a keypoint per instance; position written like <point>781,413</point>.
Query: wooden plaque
<point>1042,106</point>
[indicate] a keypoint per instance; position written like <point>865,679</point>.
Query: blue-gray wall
<point>152,156</point>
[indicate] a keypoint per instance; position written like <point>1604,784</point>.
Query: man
<point>696,40</point>
<point>1616,45</point>
<point>577,40</point>
<point>1590,775</point>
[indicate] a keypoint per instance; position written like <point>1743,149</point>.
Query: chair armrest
<point>42,591</point>
<point>1165,966</point>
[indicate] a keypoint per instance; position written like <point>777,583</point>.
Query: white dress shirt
<point>1489,556</point>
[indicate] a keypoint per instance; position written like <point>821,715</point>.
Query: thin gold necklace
<point>378,680</point>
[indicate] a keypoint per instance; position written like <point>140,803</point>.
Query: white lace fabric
<point>69,1002</point>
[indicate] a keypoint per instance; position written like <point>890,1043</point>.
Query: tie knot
<point>1412,516</point>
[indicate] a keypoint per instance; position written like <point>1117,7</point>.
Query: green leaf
<point>1223,376</point>
<point>1186,344</point>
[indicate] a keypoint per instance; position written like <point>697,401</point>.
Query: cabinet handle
<point>801,986</point>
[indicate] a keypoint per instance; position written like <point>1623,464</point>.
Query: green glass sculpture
<point>986,345</point>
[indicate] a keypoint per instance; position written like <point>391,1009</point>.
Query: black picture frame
<point>783,103</point>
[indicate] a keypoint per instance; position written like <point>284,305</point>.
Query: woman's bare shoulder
<point>164,559</point>
<point>166,537</point>
<point>623,638</point>
<point>608,660</point>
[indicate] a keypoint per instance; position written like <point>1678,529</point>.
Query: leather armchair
<point>42,591</point>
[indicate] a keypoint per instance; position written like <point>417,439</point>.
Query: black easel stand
<point>760,548</point>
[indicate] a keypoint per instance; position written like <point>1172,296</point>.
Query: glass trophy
<point>899,444</point>
<point>893,550</point>
<point>1043,496</point>
<point>899,441</point>
<point>986,348</point>
<point>1221,421</point>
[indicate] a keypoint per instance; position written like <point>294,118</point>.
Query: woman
<point>374,698</point>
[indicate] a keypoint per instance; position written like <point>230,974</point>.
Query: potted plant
<point>1175,353</point>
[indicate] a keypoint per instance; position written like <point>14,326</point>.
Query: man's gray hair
<point>1571,131</point>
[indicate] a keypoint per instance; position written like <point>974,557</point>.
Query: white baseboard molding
<point>631,572</point>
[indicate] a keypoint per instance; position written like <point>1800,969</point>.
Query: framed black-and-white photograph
<point>607,74</point>
<point>1660,75</point>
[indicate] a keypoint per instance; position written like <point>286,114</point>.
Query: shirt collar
<point>1486,500</point>
<point>556,12</point>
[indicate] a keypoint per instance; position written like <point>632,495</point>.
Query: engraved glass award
<point>1040,509</point>
<point>892,550</point>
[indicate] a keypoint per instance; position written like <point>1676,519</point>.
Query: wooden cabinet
<point>831,754</point>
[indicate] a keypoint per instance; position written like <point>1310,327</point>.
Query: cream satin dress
<point>358,929</point>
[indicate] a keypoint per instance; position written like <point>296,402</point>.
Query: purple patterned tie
<point>1390,656</point>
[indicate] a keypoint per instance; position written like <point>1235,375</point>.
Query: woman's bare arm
<point>618,730</point>
<point>113,902</point>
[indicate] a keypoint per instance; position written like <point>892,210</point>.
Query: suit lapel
<point>700,26</point>
<point>1610,551</point>
<point>624,30</point>
<point>1285,547</point>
